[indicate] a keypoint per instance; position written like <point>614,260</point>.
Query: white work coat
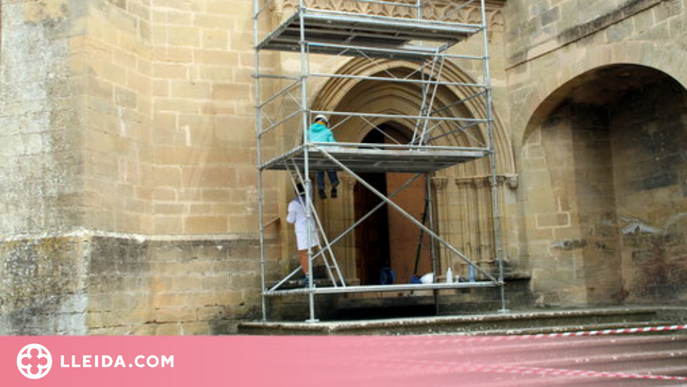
<point>297,217</point>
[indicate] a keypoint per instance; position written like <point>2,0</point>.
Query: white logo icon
<point>34,361</point>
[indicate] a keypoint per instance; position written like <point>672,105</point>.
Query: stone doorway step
<point>511,323</point>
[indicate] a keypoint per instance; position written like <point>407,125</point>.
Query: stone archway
<point>603,185</point>
<point>537,95</point>
<point>463,202</point>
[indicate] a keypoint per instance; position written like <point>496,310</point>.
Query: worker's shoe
<point>323,195</point>
<point>306,281</point>
<point>335,193</point>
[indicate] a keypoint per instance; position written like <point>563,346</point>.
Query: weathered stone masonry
<point>127,188</point>
<point>127,204</point>
<point>597,141</point>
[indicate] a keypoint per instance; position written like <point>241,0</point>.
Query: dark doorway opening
<point>387,239</point>
<point>372,236</point>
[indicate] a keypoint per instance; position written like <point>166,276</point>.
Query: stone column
<point>484,219</point>
<point>466,214</point>
<point>347,260</point>
<point>507,184</point>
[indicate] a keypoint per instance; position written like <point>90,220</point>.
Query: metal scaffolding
<point>284,112</point>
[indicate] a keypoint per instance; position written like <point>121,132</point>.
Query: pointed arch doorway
<point>387,239</point>
<point>461,198</point>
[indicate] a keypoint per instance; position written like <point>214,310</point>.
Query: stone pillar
<point>466,240</point>
<point>347,259</point>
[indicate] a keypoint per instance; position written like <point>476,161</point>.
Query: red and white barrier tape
<point>384,341</point>
<point>604,332</point>
<point>442,367</point>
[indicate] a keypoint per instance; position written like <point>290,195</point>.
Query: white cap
<point>321,117</point>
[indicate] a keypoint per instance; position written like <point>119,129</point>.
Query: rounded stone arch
<point>331,94</point>
<point>548,91</point>
<point>599,149</point>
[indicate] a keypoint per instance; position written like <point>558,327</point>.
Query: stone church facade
<point>129,197</point>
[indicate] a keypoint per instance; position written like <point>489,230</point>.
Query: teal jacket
<point>320,133</point>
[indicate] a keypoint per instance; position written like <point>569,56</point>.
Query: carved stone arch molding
<point>464,215</point>
<point>434,10</point>
<point>332,93</point>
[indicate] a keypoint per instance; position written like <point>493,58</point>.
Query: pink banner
<point>316,361</point>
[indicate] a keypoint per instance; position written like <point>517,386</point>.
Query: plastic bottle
<point>471,273</point>
<point>449,275</point>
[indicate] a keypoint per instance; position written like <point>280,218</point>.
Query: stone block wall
<point>542,58</point>
<point>42,286</point>
<point>203,127</point>
<point>570,208</point>
<point>650,177</point>
<point>539,27</point>
<point>116,138</point>
<point>604,200</point>
<point>129,194</point>
<point>108,284</point>
<point>552,50</point>
<point>41,78</point>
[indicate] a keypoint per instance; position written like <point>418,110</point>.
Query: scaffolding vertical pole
<point>306,152</point>
<point>432,245</point>
<point>492,157</point>
<point>258,125</point>
<point>421,64</point>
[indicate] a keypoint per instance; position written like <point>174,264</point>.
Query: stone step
<point>570,328</point>
<point>643,355</point>
<point>494,323</point>
<point>520,380</point>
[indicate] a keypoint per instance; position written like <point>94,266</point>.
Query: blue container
<point>387,276</point>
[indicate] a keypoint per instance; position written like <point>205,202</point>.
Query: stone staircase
<point>510,323</point>
<point>523,361</point>
<point>617,357</point>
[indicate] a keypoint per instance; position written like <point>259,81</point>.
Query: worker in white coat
<point>297,217</point>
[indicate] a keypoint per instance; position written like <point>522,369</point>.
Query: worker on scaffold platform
<point>297,215</point>
<point>319,132</point>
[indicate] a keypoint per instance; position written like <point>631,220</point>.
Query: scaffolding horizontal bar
<point>404,52</point>
<point>365,31</point>
<point>419,160</point>
<point>384,288</point>
<point>400,116</point>
<point>417,81</point>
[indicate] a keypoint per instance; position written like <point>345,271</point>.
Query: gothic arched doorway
<point>463,202</point>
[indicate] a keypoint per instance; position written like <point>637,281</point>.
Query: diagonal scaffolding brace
<point>403,212</point>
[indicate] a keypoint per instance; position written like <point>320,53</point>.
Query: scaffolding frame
<point>312,30</point>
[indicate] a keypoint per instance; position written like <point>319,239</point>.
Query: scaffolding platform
<point>420,160</point>
<point>328,32</point>
<point>383,288</point>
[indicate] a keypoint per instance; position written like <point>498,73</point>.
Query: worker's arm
<point>291,217</point>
